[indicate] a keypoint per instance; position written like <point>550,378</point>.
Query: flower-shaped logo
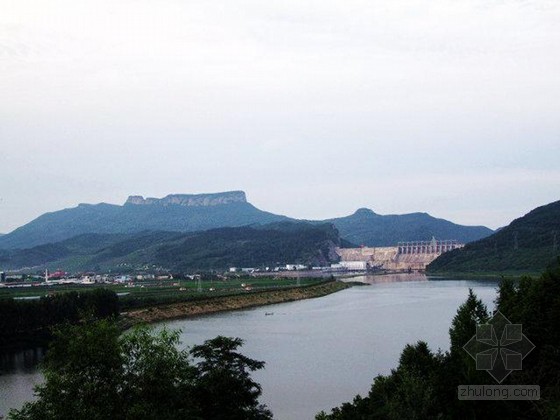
<point>499,357</point>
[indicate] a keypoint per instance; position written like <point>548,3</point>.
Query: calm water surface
<point>18,375</point>
<point>321,352</point>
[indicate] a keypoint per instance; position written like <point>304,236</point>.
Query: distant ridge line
<point>199,212</point>
<point>188,200</point>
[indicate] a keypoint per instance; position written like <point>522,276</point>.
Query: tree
<point>25,320</point>
<point>93,371</point>
<point>83,370</point>
<point>463,326</point>
<point>424,384</point>
<point>224,388</point>
<point>158,378</point>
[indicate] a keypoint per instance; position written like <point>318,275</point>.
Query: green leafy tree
<point>26,320</point>
<point>414,396</point>
<point>93,371</point>
<point>157,378</point>
<point>535,303</point>
<point>424,384</point>
<point>83,370</point>
<point>224,388</point>
<point>463,326</point>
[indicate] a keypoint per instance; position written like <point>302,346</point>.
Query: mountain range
<point>199,212</point>
<point>207,231</point>
<point>174,213</point>
<point>529,243</point>
<point>247,246</point>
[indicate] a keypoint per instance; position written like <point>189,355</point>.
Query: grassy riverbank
<point>228,303</point>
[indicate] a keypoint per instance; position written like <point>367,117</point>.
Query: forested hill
<point>268,245</point>
<point>529,243</point>
<point>365,227</point>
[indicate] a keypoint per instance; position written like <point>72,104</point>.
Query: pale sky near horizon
<point>314,108</point>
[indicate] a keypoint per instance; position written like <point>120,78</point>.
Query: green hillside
<point>529,244</point>
<point>268,245</point>
<point>365,227</point>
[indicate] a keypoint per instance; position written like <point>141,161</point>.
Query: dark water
<point>320,352</point>
<point>18,375</point>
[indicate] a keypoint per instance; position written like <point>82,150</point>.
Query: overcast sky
<point>314,108</point>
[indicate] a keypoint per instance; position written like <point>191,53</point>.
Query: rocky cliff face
<point>190,200</point>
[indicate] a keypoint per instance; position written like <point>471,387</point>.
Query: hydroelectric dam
<point>406,256</point>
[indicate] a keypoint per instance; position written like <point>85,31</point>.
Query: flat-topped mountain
<point>199,212</point>
<point>176,213</point>
<point>190,200</point>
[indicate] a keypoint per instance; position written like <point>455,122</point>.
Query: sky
<point>313,108</point>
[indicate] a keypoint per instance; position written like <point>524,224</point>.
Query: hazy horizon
<point>313,108</point>
<point>265,209</point>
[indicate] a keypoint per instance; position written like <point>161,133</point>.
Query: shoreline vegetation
<point>424,383</point>
<point>186,309</point>
<point>29,323</point>
<point>102,374</point>
<point>483,275</point>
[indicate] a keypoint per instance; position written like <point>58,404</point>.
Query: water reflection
<point>18,376</point>
<point>318,352</point>
<point>389,278</point>
<point>21,361</point>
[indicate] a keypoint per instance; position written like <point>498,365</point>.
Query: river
<point>320,352</point>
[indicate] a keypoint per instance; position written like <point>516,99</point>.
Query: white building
<point>293,267</point>
<point>354,265</point>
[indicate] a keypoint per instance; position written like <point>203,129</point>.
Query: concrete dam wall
<point>403,257</point>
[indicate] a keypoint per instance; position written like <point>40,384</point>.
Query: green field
<point>147,293</point>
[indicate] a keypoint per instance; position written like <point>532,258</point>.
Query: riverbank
<point>228,303</point>
<point>484,275</point>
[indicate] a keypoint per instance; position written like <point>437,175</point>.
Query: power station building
<point>428,247</point>
<point>406,256</point>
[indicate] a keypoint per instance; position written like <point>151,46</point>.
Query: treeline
<point>221,248</point>
<point>30,321</point>
<point>93,371</point>
<point>26,320</point>
<point>424,385</point>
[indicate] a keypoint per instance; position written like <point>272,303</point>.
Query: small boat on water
<point>268,313</point>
